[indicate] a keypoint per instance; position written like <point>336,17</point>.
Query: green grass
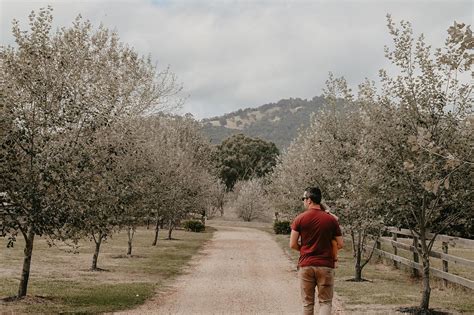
<point>387,286</point>
<point>62,282</point>
<point>63,296</point>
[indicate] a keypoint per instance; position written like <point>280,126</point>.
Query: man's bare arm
<point>294,240</point>
<point>340,242</point>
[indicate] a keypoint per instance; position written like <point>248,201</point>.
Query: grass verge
<point>62,282</point>
<point>387,287</point>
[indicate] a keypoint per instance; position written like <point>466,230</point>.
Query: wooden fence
<point>414,263</point>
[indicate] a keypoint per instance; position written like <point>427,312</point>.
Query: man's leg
<point>325,282</point>
<point>308,285</point>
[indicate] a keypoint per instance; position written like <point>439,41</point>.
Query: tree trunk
<point>358,265</point>
<point>130,233</point>
<point>416,259</point>
<point>425,257</point>
<point>157,229</point>
<point>25,272</point>
<point>354,251</point>
<point>98,242</point>
<point>358,261</point>
<point>425,300</point>
<point>358,273</point>
<point>170,229</point>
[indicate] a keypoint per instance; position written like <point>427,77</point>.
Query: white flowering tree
<point>217,198</point>
<point>250,200</point>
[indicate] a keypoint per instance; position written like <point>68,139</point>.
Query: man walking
<point>317,229</point>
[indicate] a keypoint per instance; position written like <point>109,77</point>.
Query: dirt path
<point>240,271</point>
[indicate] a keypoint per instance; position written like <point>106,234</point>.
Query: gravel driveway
<point>240,271</point>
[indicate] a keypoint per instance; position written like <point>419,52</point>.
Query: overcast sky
<point>237,54</point>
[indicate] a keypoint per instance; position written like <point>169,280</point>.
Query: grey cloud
<point>234,54</point>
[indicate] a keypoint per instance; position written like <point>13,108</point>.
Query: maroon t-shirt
<point>317,228</point>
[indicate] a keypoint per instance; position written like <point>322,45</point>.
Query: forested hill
<point>277,122</point>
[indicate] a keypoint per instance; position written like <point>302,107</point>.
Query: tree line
<point>89,142</point>
<point>399,152</point>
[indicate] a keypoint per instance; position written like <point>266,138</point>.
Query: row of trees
<point>400,154</point>
<point>88,145</point>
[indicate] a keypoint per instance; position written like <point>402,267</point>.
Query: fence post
<point>394,238</point>
<point>445,262</point>
<point>378,247</point>
<point>415,256</point>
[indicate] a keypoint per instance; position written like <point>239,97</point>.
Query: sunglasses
<point>304,198</point>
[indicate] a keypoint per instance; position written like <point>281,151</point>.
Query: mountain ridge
<point>276,122</point>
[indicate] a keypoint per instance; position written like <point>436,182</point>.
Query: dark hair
<point>313,193</point>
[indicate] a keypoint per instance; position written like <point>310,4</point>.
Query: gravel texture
<point>240,271</point>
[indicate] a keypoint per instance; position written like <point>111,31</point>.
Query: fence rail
<point>441,237</point>
<point>415,265</point>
